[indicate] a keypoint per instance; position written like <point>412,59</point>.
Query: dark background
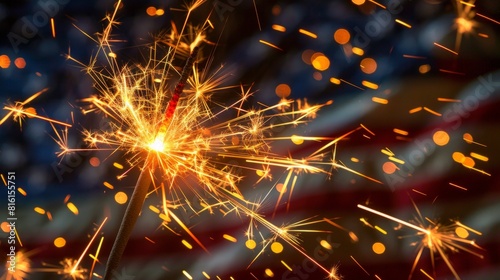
<point>30,151</point>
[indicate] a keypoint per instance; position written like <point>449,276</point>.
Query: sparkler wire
<point>129,219</point>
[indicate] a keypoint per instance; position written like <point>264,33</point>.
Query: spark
<point>426,274</point>
<point>414,110</point>
<point>436,237</point>
<point>378,4</point>
<point>308,33</point>
<point>278,27</point>
<point>270,44</point>
<point>488,18</point>
<point>18,112</point>
<point>419,192</point>
<point>414,56</point>
<point>360,265</point>
<point>478,156</point>
<point>457,186</point>
<point>403,23</point>
<point>442,99</point>
<point>380,229</point>
<point>75,266</point>
<point>397,160</point>
<point>53,27</point>
<point>286,265</point>
<point>400,131</point>
<point>96,255</point>
<point>22,267</point>
<point>432,111</point>
<point>39,210</point>
<point>369,84</point>
<point>108,185</point>
<point>445,48</point>
<point>69,268</point>
<point>380,100</point>
<point>464,22</point>
<point>351,84</point>
<point>451,72</point>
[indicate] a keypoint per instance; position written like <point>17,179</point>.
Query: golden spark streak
<point>468,228</point>
<point>371,86</point>
<point>53,27</point>
<point>478,156</point>
<point>393,219</point>
<point>270,44</point>
<point>19,111</point>
<point>442,99</point>
<point>414,56</point>
<point>18,237</point>
<point>308,33</point>
<point>414,110</point>
<point>73,270</point>
<point>488,18</point>
<point>432,111</point>
<point>360,265</point>
<point>378,4</point>
<point>351,84</point>
<point>403,23</point>
<point>400,131</point>
<point>286,265</point>
<point>426,274</point>
<point>381,230</point>
<point>445,48</point>
<point>397,160</point>
<point>419,192</point>
<point>451,72</point>
<point>457,186</point>
<point>278,27</point>
<point>96,255</point>
<point>380,100</point>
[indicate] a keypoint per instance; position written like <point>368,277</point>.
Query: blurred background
<point>403,69</point>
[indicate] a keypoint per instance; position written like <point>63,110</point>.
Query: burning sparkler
<point>179,135</point>
<point>164,119</point>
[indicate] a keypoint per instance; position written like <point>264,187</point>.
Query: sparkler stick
<point>145,178</point>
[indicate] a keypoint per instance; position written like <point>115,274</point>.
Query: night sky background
<point>48,180</point>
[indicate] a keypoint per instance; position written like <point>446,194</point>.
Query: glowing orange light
<point>94,161</point>
<point>20,62</point>
<point>458,157</point>
<point>389,167</point>
<point>320,62</point>
<point>283,90</point>
<point>160,12</point>
<point>378,248</point>
<point>59,242</point>
<point>276,247</point>
<point>4,61</point>
<point>342,36</point>
<point>279,28</point>
<point>151,11</point>
<point>441,138</point>
<point>121,198</point>
<point>368,65</point>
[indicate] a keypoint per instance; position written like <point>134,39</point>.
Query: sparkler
<point>181,141</point>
